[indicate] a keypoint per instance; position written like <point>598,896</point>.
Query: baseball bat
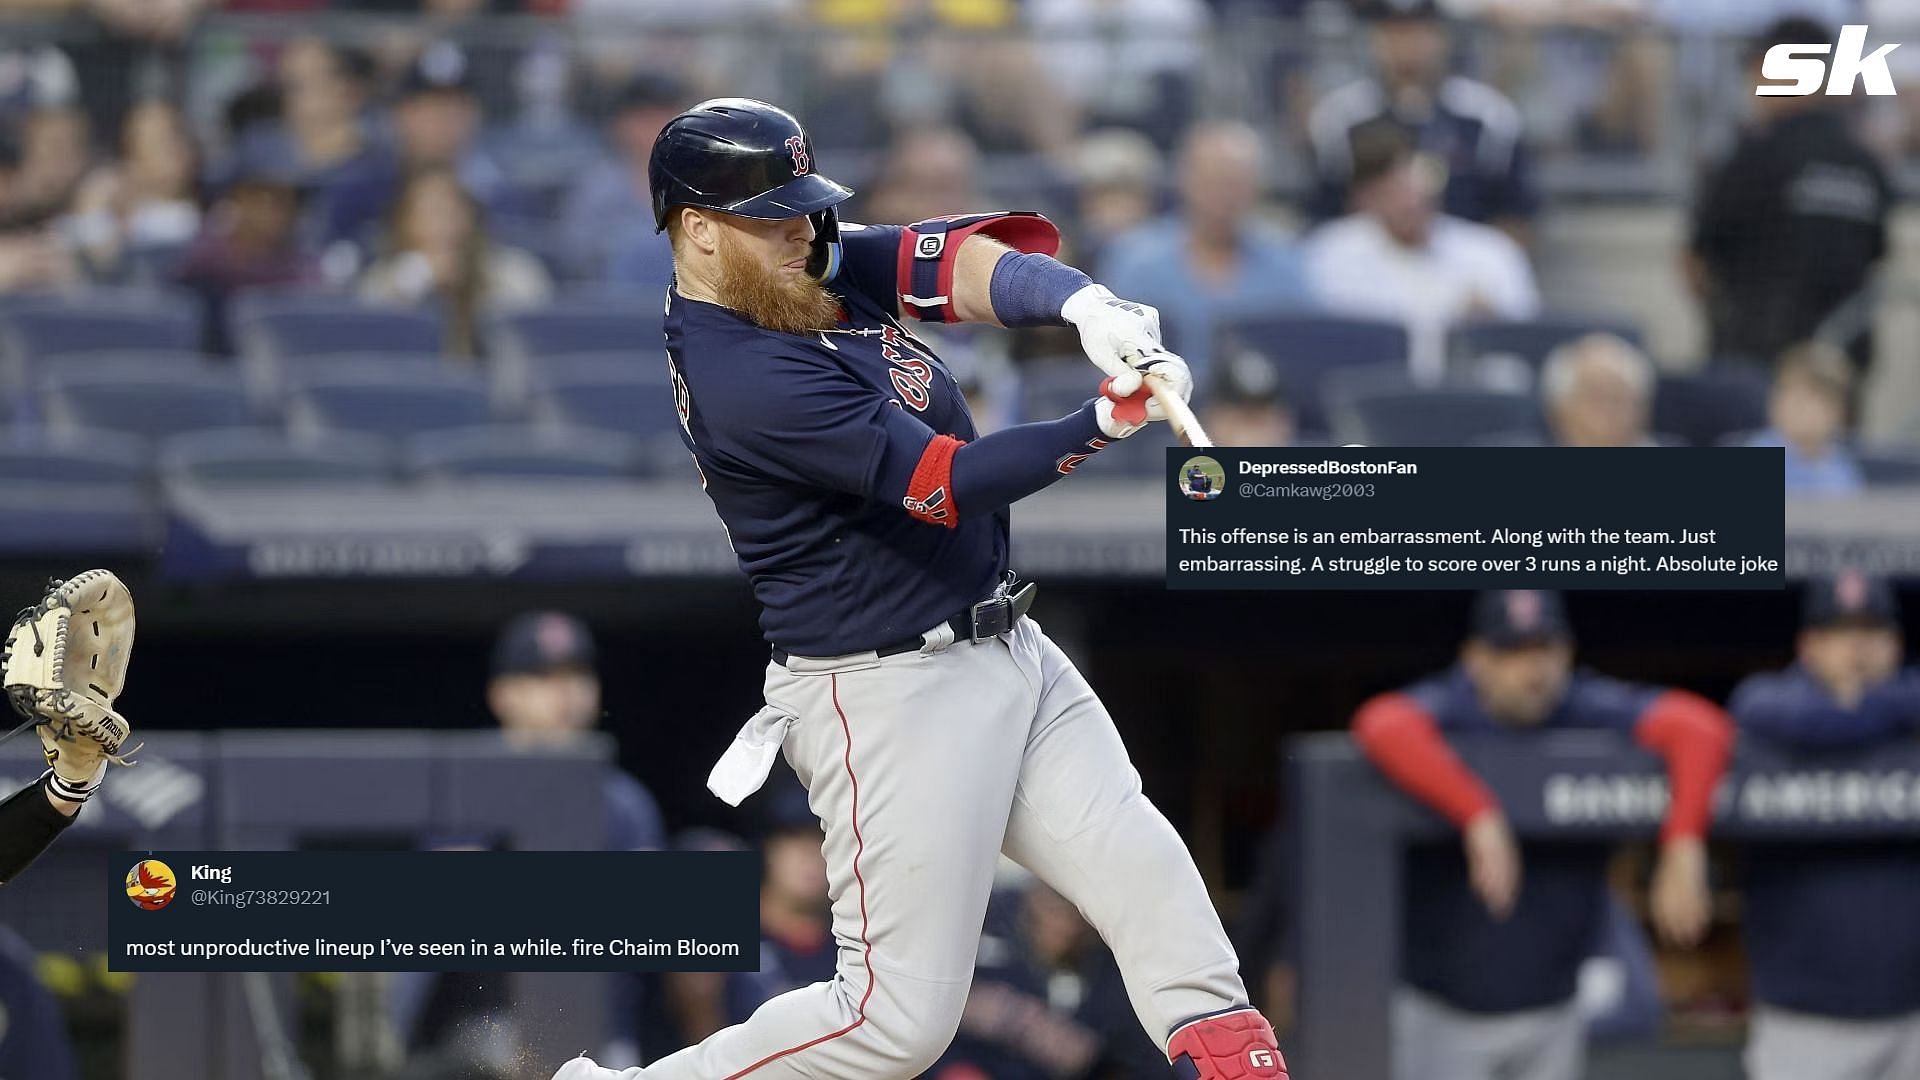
<point>1179,414</point>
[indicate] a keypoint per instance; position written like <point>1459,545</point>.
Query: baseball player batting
<point>934,725</point>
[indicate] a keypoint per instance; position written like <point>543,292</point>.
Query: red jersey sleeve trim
<point>930,491</point>
<point>1696,738</point>
<point>1401,739</point>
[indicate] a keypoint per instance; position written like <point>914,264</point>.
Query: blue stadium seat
<point>38,327</point>
<point>1890,466</point>
<point>242,456</point>
<point>523,452</point>
<point>1305,348</point>
<point>1702,408</point>
<point>1531,340</point>
<point>136,396</point>
<point>280,325</point>
<point>1439,416</point>
<point>523,342</point>
<point>617,396</point>
<point>33,453</point>
<point>385,399</point>
<point>271,378</point>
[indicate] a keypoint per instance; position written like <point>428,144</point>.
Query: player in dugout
<point>65,662</point>
<point>1832,941</point>
<point>1489,963</point>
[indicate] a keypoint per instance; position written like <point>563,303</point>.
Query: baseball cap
<point>1510,618</point>
<point>440,68</point>
<point>542,641</point>
<point>1248,378</point>
<point>1850,598</point>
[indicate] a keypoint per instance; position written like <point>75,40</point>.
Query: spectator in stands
<point>33,1040</point>
<point>55,154</point>
<point>1047,1000</point>
<point>1248,406</point>
<point>1117,174</point>
<point>437,251</point>
<point>1470,129</point>
<point>545,692</point>
<point>1130,63</point>
<point>1395,256</point>
<point>1489,964</point>
<point>606,220</point>
<point>320,141</point>
<point>30,258</point>
<point>1831,940</point>
<point>133,217</point>
<point>1598,391</point>
<point>1790,227</point>
<point>1215,256</point>
<point>248,240</point>
<point>436,126</point>
<point>1807,414</point>
<point>927,172</point>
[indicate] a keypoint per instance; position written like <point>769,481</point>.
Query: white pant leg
<point>1082,825</point>
<point>910,763</point>
<point>1787,1045</point>
<point>1435,1041</point>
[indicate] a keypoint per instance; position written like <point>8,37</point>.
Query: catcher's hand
<point>65,663</point>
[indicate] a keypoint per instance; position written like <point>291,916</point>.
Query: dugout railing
<point>1351,828</point>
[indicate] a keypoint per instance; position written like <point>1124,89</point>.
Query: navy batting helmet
<point>749,158</point>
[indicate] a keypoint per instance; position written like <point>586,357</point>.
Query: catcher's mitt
<point>65,662</point>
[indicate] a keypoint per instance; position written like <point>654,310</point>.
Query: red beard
<point>772,298</point>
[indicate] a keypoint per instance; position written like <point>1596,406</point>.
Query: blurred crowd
<point>473,165</point>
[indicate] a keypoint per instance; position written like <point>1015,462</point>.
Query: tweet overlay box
<point>434,911</point>
<point>1475,518</point>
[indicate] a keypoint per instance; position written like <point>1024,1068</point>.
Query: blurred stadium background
<point>331,326</point>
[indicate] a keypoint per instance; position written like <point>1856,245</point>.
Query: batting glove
<point>1121,415</point>
<point>1111,328</point>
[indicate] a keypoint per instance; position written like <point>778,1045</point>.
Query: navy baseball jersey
<point>1829,925</point>
<point>1453,948</point>
<point>809,446</point>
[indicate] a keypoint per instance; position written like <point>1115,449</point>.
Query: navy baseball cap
<point>1510,618</point>
<point>1849,598</point>
<point>542,641</point>
<point>1383,10</point>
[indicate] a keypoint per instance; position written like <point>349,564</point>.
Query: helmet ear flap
<point>824,262</point>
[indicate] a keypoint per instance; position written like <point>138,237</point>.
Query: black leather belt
<point>989,618</point>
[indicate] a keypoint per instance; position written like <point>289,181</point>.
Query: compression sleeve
<point>1696,739</point>
<point>28,825</point>
<point>1402,740</point>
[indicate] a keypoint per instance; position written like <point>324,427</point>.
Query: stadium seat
<point>523,451</point>
<point>37,328</point>
<point>1703,407</point>
<point>32,453</point>
<point>376,398</point>
<point>280,325</point>
<point>1438,416</point>
<point>615,396</point>
<point>135,396</point>
<point>1531,340</point>
<point>523,341</point>
<point>271,378</point>
<point>244,456</point>
<point>1305,348</point>
<point>1890,466</point>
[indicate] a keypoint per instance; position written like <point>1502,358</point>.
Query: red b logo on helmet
<point>797,146</point>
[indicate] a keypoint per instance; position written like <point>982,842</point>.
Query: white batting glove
<point>1111,328</point>
<point>1121,415</point>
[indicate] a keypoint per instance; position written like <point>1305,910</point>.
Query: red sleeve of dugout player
<point>1696,739</point>
<point>929,248</point>
<point>1402,740</point>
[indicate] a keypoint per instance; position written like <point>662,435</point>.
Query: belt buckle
<point>995,614</point>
